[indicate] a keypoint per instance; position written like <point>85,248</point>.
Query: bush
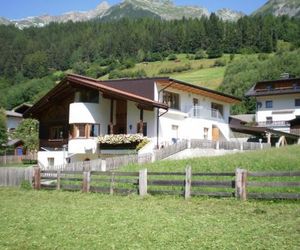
<point>172,57</point>
<point>214,52</point>
<point>142,144</point>
<point>263,56</point>
<point>200,54</point>
<point>220,63</point>
<point>29,161</point>
<point>178,69</point>
<point>153,57</point>
<point>25,185</point>
<point>117,74</point>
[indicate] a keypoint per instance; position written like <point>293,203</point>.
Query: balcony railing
<point>273,124</point>
<point>200,112</point>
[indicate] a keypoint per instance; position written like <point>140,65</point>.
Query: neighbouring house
<point>277,102</point>
<point>79,109</point>
<point>13,119</point>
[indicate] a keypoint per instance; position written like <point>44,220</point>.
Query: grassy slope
<point>286,158</point>
<point>202,72</point>
<point>66,220</point>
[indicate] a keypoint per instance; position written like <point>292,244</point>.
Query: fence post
<point>241,184</point>
<point>58,180</point>
<point>86,181</point>
<point>37,178</point>
<point>241,147</point>
<point>217,145</point>
<point>188,182</point>
<point>143,182</point>
<point>103,165</point>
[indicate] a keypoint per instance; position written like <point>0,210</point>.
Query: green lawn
<point>277,159</point>
<point>66,220</point>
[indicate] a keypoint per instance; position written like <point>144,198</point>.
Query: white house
<point>79,109</point>
<point>277,102</point>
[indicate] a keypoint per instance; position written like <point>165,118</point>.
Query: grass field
<point>66,220</point>
<point>274,159</point>
<point>201,73</point>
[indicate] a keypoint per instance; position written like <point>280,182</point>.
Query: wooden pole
<point>188,182</point>
<point>143,182</point>
<point>112,183</point>
<point>241,184</point>
<point>86,181</point>
<point>37,178</point>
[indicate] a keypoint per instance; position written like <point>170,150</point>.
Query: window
<point>297,102</point>
<point>56,133</point>
<point>87,95</point>
<point>269,120</point>
<point>216,110</point>
<point>94,130</point>
<point>171,99</point>
<point>258,105</point>
<point>269,104</point>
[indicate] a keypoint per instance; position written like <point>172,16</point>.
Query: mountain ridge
<point>280,8</point>
<point>163,9</point>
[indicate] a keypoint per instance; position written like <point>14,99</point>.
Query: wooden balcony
<point>53,143</point>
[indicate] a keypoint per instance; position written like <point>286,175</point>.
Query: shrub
<point>25,185</point>
<point>172,57</point>
<point>200,54</point>
<point>220,63</point>
<point>263,56</point>
<point>142,144</point>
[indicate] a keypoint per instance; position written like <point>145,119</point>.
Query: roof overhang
<point>187,87</point>
<point>72,81</point>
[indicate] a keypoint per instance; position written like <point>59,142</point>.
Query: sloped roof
<point>13,114</point>
<point>292,86</point>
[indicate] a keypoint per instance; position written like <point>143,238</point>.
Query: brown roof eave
<point>116,93</point>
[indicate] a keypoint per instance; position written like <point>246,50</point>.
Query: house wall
<point>133,117</point>
<point>179,124</point>
<point>283,108</point>
<point>12,122</point>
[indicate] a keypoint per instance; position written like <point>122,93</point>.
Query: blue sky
<point>16,9</point>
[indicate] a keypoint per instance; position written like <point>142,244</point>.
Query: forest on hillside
<point>33,59</point>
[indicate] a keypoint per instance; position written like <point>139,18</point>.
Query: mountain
<point>4,21</point>
<point>162,9</point>
<point>229,15</point>
<point>75,16</point>
<point>280,7</point>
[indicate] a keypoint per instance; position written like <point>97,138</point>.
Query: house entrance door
<point>215,133</point>
<point>121,117</point>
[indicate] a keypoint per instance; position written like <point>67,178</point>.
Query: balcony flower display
<point>120,141</point>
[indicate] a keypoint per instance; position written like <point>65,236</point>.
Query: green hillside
<point>204,72</point>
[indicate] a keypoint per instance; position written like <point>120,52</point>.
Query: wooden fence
<point>170,150</point>
<point>106,164</point>
<point>10,159</point>
<point>228,145</point>
<point>187,184</point>
<point>14,176</point>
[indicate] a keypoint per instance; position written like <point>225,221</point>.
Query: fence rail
<point>228,145</point>
<point>187,184</point>
<point>106,164</point>
<point>10,159</point>
<point>170,150</point>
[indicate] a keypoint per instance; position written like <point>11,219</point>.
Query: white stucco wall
<point>192,127</point>
<point>133,117</point>
<point>283,108</point>
<point>59,157</point>
<point>83,146</point>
